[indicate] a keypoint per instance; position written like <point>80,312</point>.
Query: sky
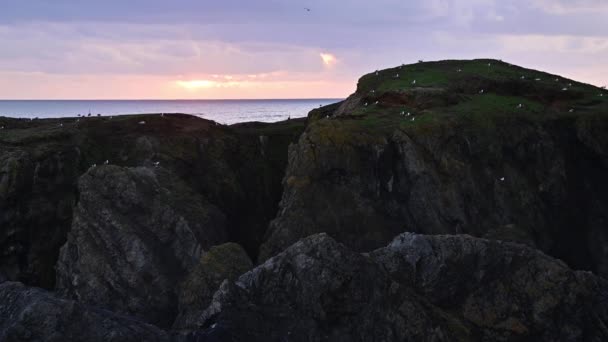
<point>226,49</point>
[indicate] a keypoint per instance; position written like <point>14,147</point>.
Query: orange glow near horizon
<point>196,84</point>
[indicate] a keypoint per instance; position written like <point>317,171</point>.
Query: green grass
<point>488,104</point>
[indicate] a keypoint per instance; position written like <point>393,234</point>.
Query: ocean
<point>222,111</point>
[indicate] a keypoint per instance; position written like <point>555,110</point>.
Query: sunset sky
<point>199,49</point>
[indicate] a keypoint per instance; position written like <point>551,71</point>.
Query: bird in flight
<point>307,9</point>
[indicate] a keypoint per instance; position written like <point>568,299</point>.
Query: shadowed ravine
<point>459,200</point>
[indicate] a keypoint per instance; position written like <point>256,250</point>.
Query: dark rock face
<point>365,187</point>
<point>136,233</point>
<point>419,288</point>
<point>29,314</point>
<point>223,262</point>
<point>36,197</point>
<point>319,290</point>
<point>41,161</point>
<point>504,291</point>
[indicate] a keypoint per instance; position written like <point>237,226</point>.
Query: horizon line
<point>229,99</point>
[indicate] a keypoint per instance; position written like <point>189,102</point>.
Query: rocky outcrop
<point>475,164</point>
<point>504,291</point>
<point>419,288</point>
<point>223,262</point>
<point>319,290</point>
<point>136,233</point>
<point>41,161</point>
<point>30,314</point>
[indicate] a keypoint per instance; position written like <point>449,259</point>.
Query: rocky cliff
<point>478,147</point>
<point>237,169</point>
<point>442,201</point>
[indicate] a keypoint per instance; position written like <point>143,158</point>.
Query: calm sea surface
<point>223,111</point>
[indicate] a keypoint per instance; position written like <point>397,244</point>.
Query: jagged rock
<point>319,290</point>
<point>418,288</point>
<point>31,314</point>
<point>227,261</point>
<point>505,291</point>
<point>136,233</point>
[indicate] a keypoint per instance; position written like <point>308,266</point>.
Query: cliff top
<point>471,92</point>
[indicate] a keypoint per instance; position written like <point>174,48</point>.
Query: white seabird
<point>106,162</point>
<point>142,122</point>
<point>520,105</point>
<point>414,82</point>
<point>156,164</point>
<point>482,91</point>
<point>571,110</point>
<point>564,89</point>
<point>502,179</point>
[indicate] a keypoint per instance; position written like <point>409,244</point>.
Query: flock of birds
<point>481,91</point>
